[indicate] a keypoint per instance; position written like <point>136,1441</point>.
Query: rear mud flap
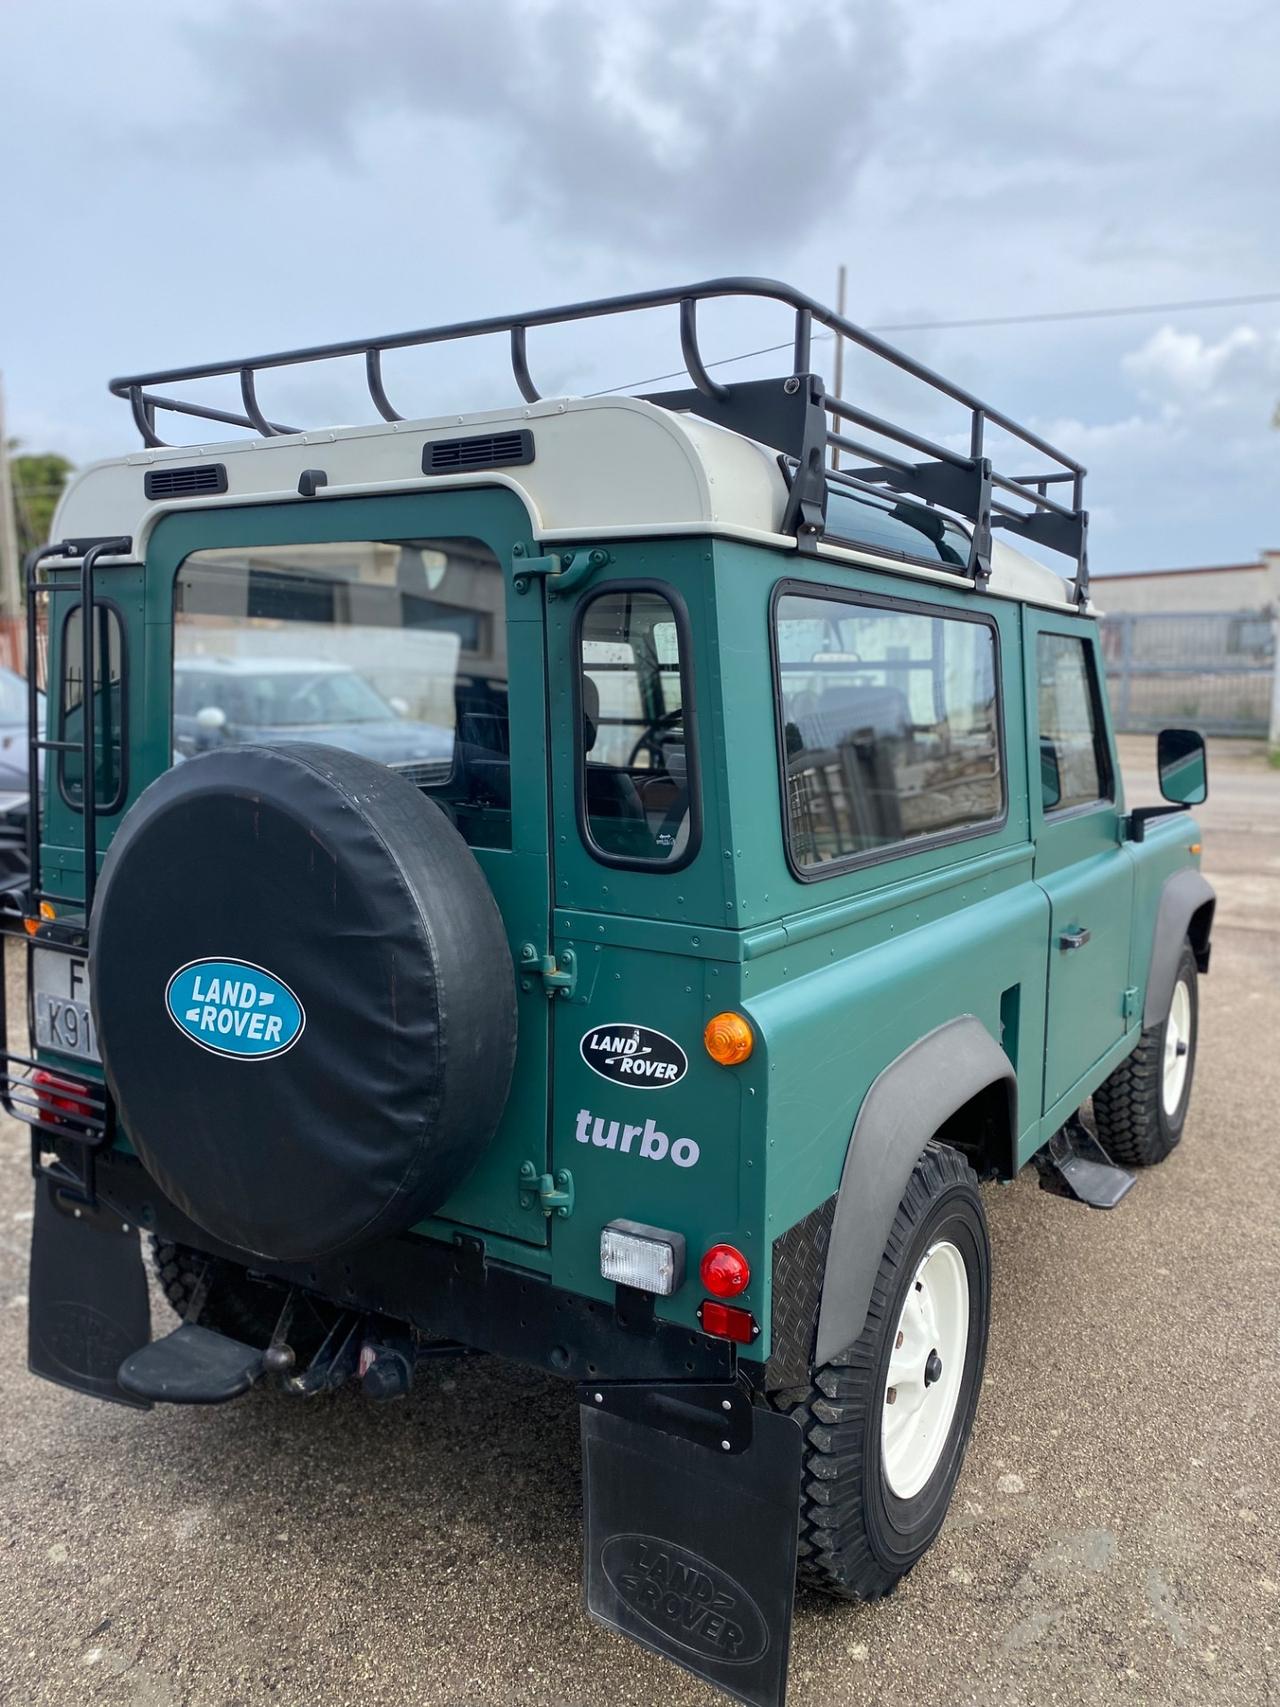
<point>88,1307</point>
<point>691,1545</point>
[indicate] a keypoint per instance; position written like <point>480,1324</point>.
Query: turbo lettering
<point>654,1146</point>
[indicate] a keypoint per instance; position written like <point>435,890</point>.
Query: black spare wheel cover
<point>304,997</point>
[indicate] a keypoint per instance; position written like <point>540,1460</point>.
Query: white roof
<point>604,467</point>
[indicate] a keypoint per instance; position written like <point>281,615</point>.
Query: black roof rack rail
<point>789,414</point>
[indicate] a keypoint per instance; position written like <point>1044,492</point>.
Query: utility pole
<point>838,385</point>
<point>10,574</point>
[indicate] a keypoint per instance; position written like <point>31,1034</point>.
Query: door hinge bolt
<point>559,972</point>
<point>553,1194</point>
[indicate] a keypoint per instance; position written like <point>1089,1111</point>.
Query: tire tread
<point>835,1412</point>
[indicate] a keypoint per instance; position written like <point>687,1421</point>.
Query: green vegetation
<point>38,481</point>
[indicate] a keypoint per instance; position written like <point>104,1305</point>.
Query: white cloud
<point>1169,478</point>
<point>1184,370</point>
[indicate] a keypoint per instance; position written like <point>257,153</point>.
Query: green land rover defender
<point>600,882</point>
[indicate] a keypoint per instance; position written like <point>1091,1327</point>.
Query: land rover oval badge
<point>634,1055</point>
<point>232,1007</point>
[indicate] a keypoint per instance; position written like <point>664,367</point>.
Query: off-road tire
<point>236,1304</point>
<point>857,1538</point>
<point>1129,1113</point>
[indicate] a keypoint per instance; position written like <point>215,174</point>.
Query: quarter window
<point>637,782</point>
<point>1074,770</point>
<point>108,708</point>
<point>396,649</point>
<point>890,728</point>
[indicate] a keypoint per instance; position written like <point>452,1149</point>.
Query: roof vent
<point>185,482</point>
<point>485,450</point>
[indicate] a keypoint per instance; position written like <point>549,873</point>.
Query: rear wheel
<point>886,1424</point>
<point>236,1304</point>
<point>1141,1109</point>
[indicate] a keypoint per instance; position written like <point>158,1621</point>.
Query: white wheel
<point>926,1368</point>
<point>1177,1046</point>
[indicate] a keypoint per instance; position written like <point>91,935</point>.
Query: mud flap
<point>88,1307</point>
<point>691,1542</point>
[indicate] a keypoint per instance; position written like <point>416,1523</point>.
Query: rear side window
<point>637,769</point>
<point>890,727</point>
<point>396,649</point>
<point>1074,767</point>
<point>108,708</point>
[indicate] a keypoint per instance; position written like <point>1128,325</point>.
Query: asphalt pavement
<point>1114,1537</point>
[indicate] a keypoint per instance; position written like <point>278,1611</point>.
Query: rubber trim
<point>1181,898</point>
<point>905,1107</point>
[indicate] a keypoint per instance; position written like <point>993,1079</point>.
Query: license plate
<point>60,983</point>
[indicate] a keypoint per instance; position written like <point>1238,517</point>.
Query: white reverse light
<point>650,1259</point>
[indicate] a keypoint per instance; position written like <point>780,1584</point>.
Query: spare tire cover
<point>304,997</point>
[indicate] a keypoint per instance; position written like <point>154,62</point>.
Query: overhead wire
<point>1045,316</point>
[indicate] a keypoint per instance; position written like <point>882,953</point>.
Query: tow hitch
<point>196,1366</point>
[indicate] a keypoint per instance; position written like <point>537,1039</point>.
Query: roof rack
<point>794,415</point>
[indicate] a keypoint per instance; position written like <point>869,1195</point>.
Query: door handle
<point>1074,938</point>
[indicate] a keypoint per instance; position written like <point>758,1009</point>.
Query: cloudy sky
<point>202,179</point>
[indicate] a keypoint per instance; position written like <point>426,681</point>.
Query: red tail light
<point>61,1101</point>
<point>727,1322</point>
<point>725,1271</point>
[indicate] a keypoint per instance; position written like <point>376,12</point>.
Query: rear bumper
<point>456,1292</point>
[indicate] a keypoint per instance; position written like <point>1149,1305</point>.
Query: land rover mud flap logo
<point>232,1007</point>
<point>634,1055</point>
<point>685,1599</point>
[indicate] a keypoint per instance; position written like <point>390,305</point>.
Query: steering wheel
<point>648,740</point>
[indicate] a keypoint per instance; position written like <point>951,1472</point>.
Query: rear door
<point>388,626</point>
<point>1081,862</point>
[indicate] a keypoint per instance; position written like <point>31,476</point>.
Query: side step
<point>192,1366</point>
<point>1076,1161</point>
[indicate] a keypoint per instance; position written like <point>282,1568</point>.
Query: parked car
<point>14,785</point>
<point>217,701</point>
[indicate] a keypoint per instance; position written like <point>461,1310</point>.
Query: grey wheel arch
<point>907,1105</point>
<point>1185,895</point>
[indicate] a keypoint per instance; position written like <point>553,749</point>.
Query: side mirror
<point>212,719</point>
<point>1182,766</point>
<point>398,705</point>
<point>1050,775</point>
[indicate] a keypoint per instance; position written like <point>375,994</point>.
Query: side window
<point>392,648</point>
<point>1074,767</point>
<point>890,726</point>
<point>637,771</point>
<point>108,708</point>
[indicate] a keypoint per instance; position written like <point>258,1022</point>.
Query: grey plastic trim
<point>906,1105</point>
<point>1181,898</point>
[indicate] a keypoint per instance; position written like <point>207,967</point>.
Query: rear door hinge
<point>552,1193</point>
<point>1132,1007</point>
<point>561,570</point>
<point>558,972</point>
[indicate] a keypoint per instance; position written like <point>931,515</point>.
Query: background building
<point>1195,646</point>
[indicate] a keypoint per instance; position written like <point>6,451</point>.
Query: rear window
<point>889,723</point>
<point>396,649</point>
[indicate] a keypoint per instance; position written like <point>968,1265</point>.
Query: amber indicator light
<point>729,1039</point>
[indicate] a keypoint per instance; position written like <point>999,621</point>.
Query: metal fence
<point>1210,669</point>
